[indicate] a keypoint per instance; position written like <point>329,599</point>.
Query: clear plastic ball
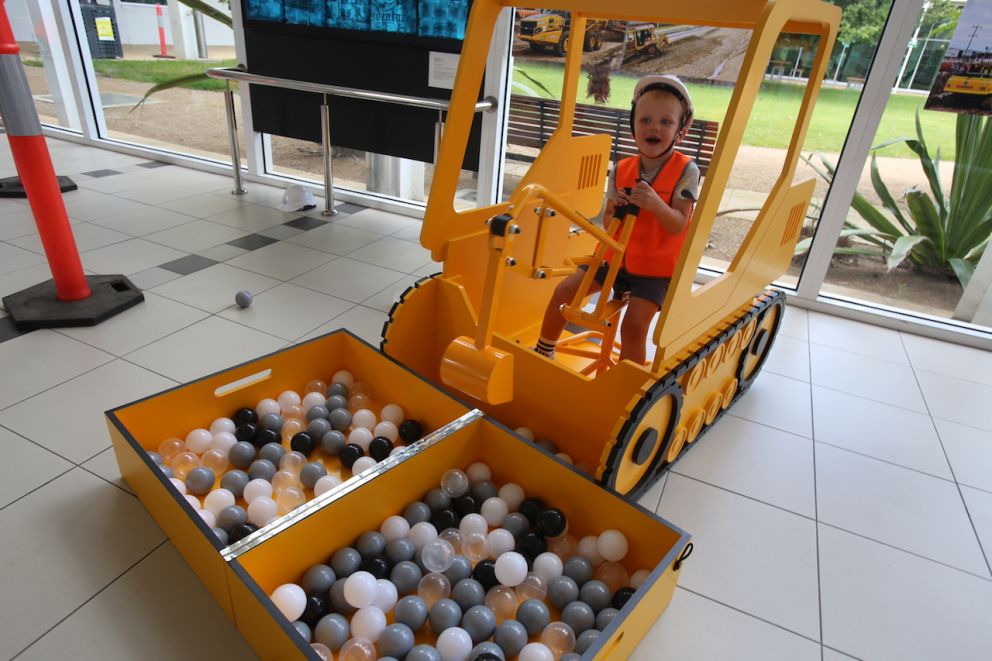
<point>534,586</point>
<point>222,424</point>
<point>217,500</point>
<point>494,510</point>
<point>394,527</point>
<point>288,398</point>
<point>358,649</point>
<point>363,417</point>
<point>455,483</point>
<point>613,574</point>
<point>454,644</point>
<point>325,484</point>
<point>612,545</point>
<point>294,412</point>
<point>289,499</point>
<point>475,546</point>
<point>362,464</point>
<point>474,523</point>
<point>512,494</point>
<point>549,566</point>
<point>257,488</point>
<point>392,413</point>
<point>368,623</point>
<point>638,577</point>
<point>437,555</point>
<point>291,428</point>
<point>315,385</point>
<point>536,652</point>
<point>422,533</point>
<point>215,460</point>
<point>262,510</point>
<point>343,376</point>
<point>322,651</point>
<point>290,599</point>
<point>267,406</point>
<point>453,536</point>
<point>502,601</point>
<point>361,437</point>
<point>588,548</point>
<point>511,568</point>
<point>564,546</point>
<point>559,638</point>
<point>360,589</point>
<point>183,463</point>
<point>499,541</point>
<point>387,429</point>
<point>284,479</point>
<point>169,448</point>
<point>434,587</point>
<point>525,432</point>
<point>361,388</point>
<point>479,472</point>
<point>198,440</point>
<point>293,462</point>
<point>359,402</point>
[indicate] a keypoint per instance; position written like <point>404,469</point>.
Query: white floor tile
<point>68,419</point>
<point>750,556</point>
<point>795,323</point>
<point>970,452</point>
<point>25,467</point>
<point>196,236</point>
<point>87,236</point>
<point>105,465</point>
<point>385,299</point>
<point>21,279</point>
<point>57,554</point>
<point>152,277</point>
<point>335,239</point>
<point>128,257</point>
<point>881,603</point>
<point>148,221</point>
<point>156,193</point>
<point>394,254</point>
<point>879,430</point>
<point>411,233</point>
<point>955,360</point>
<point>281,260</point>
<point>834,655</point>
<point>431,269</point>
<point>96,206</point>
<point>222,253</point>
<point>288,311</point>
<point>694,627</point>
<point>251,218</point>
<point>10,205</point>
<point>979,505</point>
<point>376,220</point>
<point>911,511</point>
<point>205,205</point>
<point>789,357</point>
<point>880,380</point>
<point>135,607</point>
<point>17,223</point>
<point>113,184</point>
<point>952,399</point>
<point>13,258</point>
<point>213,288</point>
<point>349,279</point>
<point>40,360</point>
<point>778,402</point>
<point>364,322</point>
<point>754,460</point>
<point>857,337</point>
<point>208,346</point>
<point>194,179</point>
<point>652,497</point>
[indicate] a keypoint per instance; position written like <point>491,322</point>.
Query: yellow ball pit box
<point>141,426</point>
<point>385,490</point>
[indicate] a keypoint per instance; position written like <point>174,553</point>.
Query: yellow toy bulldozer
<point>472,327</point>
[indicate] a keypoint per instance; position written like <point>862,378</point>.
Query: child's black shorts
<point>642,286</point>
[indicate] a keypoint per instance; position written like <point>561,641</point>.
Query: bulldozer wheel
<point>561,48</point>
<point>653,50</point>
<point>407,292</point>
<point>589,42</point>
<point>599,41</point>
<point>756,351</point>
<point>641,449</point>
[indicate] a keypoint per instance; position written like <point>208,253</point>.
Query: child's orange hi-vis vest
<point>652,251</point>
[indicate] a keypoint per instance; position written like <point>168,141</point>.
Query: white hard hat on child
<point>666,80</point>
<point>297,198</point>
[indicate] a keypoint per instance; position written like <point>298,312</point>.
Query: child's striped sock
<point>546,347</point>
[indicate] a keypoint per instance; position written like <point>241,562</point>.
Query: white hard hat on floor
<point>297,198</point>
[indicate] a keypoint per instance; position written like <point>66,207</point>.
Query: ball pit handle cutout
<point>607,651</point>
<point>243,383</point>
<point>686,552</point>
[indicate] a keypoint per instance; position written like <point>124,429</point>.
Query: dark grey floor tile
<point>101,173</point>
<point>305,223</point>
<point>252,242</point>
<point>153,164</point>
<point>188,264</point>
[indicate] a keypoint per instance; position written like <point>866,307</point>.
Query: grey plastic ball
<point>444,614</point>
<point>416,512</point>
<point>303,629</point>
<point>484,490</point>
<point>345,561</point>
<point>487,648</point>
<point>340,419</point>
<point>547,445</point>
<point>578,569</point>
<point>235,482</point>
<point>437,500</point>
<point>511,636</point>
<point>243,298</point>
<point>336,402</point>
<point>166,470</point>
<point>562,590</point>
<point>411,611</point>
<point>230,516</point>
<point>241,454</point>
<point>262,469</point>
<point>400,549</point>
<point>579,616</point>
<point>605,617</point>
<point>155,457</point>
<point>585,640</point>
<point>332,442</point>
<point>396,640</point>
<point>273,452</point>
<point>221,535</point>
<point>370,544</point>
<point>479,622</point>
<point>318,579</point>
<point>423,653</point>
<point>468,592</point>
<point>596,594</point>
<point>517,524</point>
<point>336,597</point>
<point>200,481</point>
<point>312,472</point>
<point>337,389</point>
<point>534,615</point>
<point>460,569</point>
<point>318,412</point>
<point>332,630</point>
<point>272,421</point>
<point>406,576</point>
<point>318,426</point>
<point>571,656</point>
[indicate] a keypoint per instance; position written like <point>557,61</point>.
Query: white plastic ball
<point>362,464</point>
<point>548,566</point>
<point>494,510</point>
<point>262,510</point>
<point>288,398</point>
<point>223,441</point>
<point>479,472</point>
<point>325,484</point>
<point>217,500</point>
<point>500,541</point>
<point>567,458</point>
<point>257,488</point>
<point>312,399</point>
<point>361,589</point>
<point>395,451</point>
<point>343,376</point>
<point>588,548</point>
<point>387,429</point>
<point>267,406</point>
<point>638,577</point>
<point>612,545</point>
<point>198,440</point>
<point>394,527</point>
<point>363,418</point>
<point>368,623</point>
<point>473,523</point>
<point>178,484</point>
<point>422,533</point>
<point>512,494</point>
<point>290,599</point>
<point>392,413</point>
<point>193,501</point>
<point>361,437</point>
<point>454,644</point>
<point>222,424</point>
<point>386,596</point>
<point>536,652</point>
<point>511,569</point>
<point>526,433</point>
<point>208,517</point>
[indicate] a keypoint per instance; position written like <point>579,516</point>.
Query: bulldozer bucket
<point>483,373</point>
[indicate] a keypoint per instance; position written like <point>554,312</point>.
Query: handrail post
<point>232,133</point>
<point>325,135</point>
<point>438,131</point>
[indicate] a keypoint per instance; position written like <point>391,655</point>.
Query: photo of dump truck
<point>549,31</point>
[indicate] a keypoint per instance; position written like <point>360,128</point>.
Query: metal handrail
<point>239,74</point>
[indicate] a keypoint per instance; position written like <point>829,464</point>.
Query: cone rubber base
<point>37,306</point>
<point>11,186</point>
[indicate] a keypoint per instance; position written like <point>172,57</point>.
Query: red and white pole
<point>34,167</point>
<point>161,31</point>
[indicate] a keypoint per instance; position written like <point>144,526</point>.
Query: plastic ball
<point>387,429</point>
<point>198,440</point>
<point>290,599</point>
<point>454,483</point>
<point>363,418</point>
<point>585,640</point>
<point>445,613</point>
<point>562,591</point>
<point>411,431</point>
<point>303,443</point>
<point>193,501</point>
<point>494,510</point>
<point>262,469</point>
<point>217,500</point>
<point>499,541</point>
<point>475,546</point>
<point>313,398</point>
<point>361,589</point>
<point>401,549</point>
<point>265,407</point>
<point>358,649</point>
<point>225,424</point>
<point>411,611</point>
<point>361,437</point>
<point>511,568</point>
<point>525,432</point>
<point>487,651</point>
<point>394,527</point>
<point>483,491</point>
<point>596,594</point>
<point>340,419</point>
<point>199,481</point>
<point>534,615</point>
<point>588,548</point>
<point>536,652</point>
<point>284,479</point>
<point>169,448</point>
<point>345,561</point>
<point>222,440</point>
<point>613,574</point>
<point>293,412</point>
<point>433,587</point>
<point>422,533</point>
<point>479,472</point>
<point>332,630</point>
<point>312,472</point>
<point>621,596</point>
<point>460,569</point>
<point>350,453</point>
<point>454,644</point>
<point>502,601</point>
<point>551,522</point>
<point>511,636</point>
<point>454,537</point>
<point>638,577</point>
<point>396,641</point>
<point>343,376</point>
<point>241,454</point>
<point>179,485</point>
<point>368,622</point>
<point>473,523</point>
<point>380,448</point>
<point>531,545</point>
<point>325,484</point>
<point>322,651</point>
<point>290,428</point>
<point>612,545</point>
<point>243,298</point>
<point>332,442</point>
<point>272,452</point>
<point>605,617</point>
<point>516,523</point>
<point>532,587</point>
<point>479,622</point>
<point>386,596</point>
<point>468,592</point>
<point>288,398</point>
<point>564,546</point>
<point>262,510</point>
<point>392,413</point>
<point>208,517</point>
<point>289,499</point>
<point>183,463</point>
<point>579,616</point>
<point>437,555</point>
<point>257,489</point>
<point>241,531</point>
<point>318,578</point>
<point>559,638</point>
<point>362,464</point>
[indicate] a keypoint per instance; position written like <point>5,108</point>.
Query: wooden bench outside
<point>532,121</point>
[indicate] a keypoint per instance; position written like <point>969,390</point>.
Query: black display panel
<point>377,45</point>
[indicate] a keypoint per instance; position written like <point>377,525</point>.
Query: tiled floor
<point>842,509</point>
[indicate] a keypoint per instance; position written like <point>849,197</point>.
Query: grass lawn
<point>156,71</point>
<point>775,111</point>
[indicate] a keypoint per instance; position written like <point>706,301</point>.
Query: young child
<point>662,182</point>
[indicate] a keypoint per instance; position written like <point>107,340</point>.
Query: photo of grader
<point>471,328</point>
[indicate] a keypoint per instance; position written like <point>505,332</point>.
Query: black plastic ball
<point>411,431</point>
<point>378,566</point>
<point>465,505</point>
<point>531,545</point>
<point>351,453</point>
<point>551,522</point>
<point>380,447</point>
<point>243,415</point>
<point>485,574</point>
<point>621,597</point>
<point>444,519</point>
<point>263,436</point>
<point>315,609</point>
<point>303,443</point>
<point>246,432</point>
<point>531,507</point>
<point>240,531</point>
